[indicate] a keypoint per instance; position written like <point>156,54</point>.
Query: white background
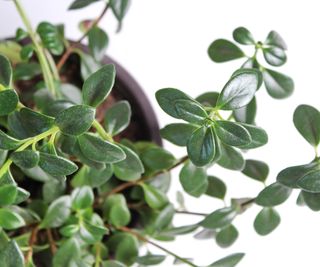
<point>163,43</point>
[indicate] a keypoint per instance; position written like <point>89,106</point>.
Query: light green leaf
<point>10,220</point>
<point>11,255</point>
<point>8,194</point>
<point>154,197</point>
<point>82,198</point>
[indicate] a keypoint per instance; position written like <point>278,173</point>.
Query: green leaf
<point>56,165</point>
<point>25,159</point>
<point>8,101</point>
<point>26,71</point>
<point>77,4</point>
<point>69,230</point>
<point>181,230</point>
<point>75,120</point>
<point>178,133</point>
<point>26,52</point>
<point>216,187</point>
<point>167,98</point>
<point>119,9</point>
<point>5,71</point>
<point>239,90</point>
<point>116,211</point>
<point>154,197</point>
<point>190,111</point>
<point>231,158</point>
<point>112,264</point>
<point>129,169</point>
<point>11,50</point>
<point>275,39</point>
<point>275,56</point>
<point>227,236</point>
<point>9,143</point>
<point>246,114</point>
<point>307,121</point>
<point>50,38</point>
<point>57,213</point>
<point>82,198</point>
<point>291,175</point>
<point>222,50</point>
<point>150,259</point>
<point>8,194</point>
<point>312,200</point>
<point>243,36</point>
<point>219,218</point>
<point>164,218</point>
<point>201,146</point>
<point>229,261</point>
<point>278,85</point>
<point>3,154</point>
<point>208,99</point>
<point>266,221</point>
<point>69,250</point>
<point>255,169</point>
<point>100,150</point>
<point>117,118</point>
<point>10,220</point>
<point>157,158</point>
<point>92,232</point>
<point>98,42</point>
<point>310,182</point>
<point>11,255</point>
<point>232,133</point>
<point>193,179</point>
<point>273,195</point>
<point>258,136</point>
<point>22,195</point>
<point>98,85</point>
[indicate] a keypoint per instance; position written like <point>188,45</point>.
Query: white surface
<point>163,43</point>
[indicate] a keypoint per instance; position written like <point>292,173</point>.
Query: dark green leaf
<point>69,250</point>
<point>278,85</point>
<point>21,34</point>
<point>130,168</point>
<point>119,9</point>
<point>11,255</point>
<point>88,65</point>
<point>9,143</point>
<point>116,211</point>
<point>219,218</point>
<point>98,85</point>
<point>157,159</point>
<point>164,218</point>
<point>307,121</point>
<point>229,261</point>
<point>178,133</point>
<point>181,230</point>
<point>3,153</point>
<point>99,150</point>
<point>8,194</point>
<point>208,99</point>
<point>167,98</point>
<point>273,195</point>
<point>243,36</point>
<point>222,50</point>
<point>26,71</point>
<point>154,197</point>
<point>232,133</point>
<point>27,52</point>
<point>312,200</point>
<point>275,39</point>
<point>82,198</point>
<point>50,38</point>
<point>227,236</point>
<point>113,264</point>
<point>98,42</point>
<point>22,195</point>
<point>75,120</point>
<point>231,158</point>
<point>190,111</point>
<point>150,259</point>
<point>5,71</point>
<point>57,213</point>
<point>216,187</point>
<point>246,114</point>
<point>193,179</point>
<point>77,4</point>
<point>10,220</point>
<point>8,101</point>
<point>53,189</point>
<point>255,169</point>
<point>258,135</point>
<point>310,182</point>
<point>266,221</point>
<point>25,159</point>
<point>201,146</point>
<point>56,165</point>
<point>117,118</point>
<point>275,56</point>
<point>239,90</point>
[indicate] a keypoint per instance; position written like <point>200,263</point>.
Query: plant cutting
<point>78,184</point>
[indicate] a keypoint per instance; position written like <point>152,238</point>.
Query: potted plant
<point>81,185</point>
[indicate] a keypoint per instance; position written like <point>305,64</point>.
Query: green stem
<point>47,75</point>
<point>98,255</point>
<point>52,65</point>
<point>101,131</point>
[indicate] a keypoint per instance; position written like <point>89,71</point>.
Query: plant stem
<point>144,239</point>
<point>32,241</point>
<point>47,75</point>
<point>52,243</point>
<point>98,255</point>
<point>191,213</point>
<point>69,50</point>
<point>101,131</point>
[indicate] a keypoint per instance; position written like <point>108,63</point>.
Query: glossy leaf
<point>193,179</point>
<point>222,50</point>
<point>75,120</point>
<point>278,85</point>
<point>273,195</point>
<point>231,158</point>
<point>98,85</point>
<point>8,143</point>
<point>310,182</point>
<point>307,121</point>
<point>227,236</point>
<point>157,159</point>
<point>255,169</point>
<point>67,252</point>
<point>25,159</point>
<point>150,259</point>
<point>116,211</point>
<point>243,36</point>
<point>208,99</point>
<point>239,90</point>
<point>82,198</point>
<point>119,9</point>
<point>190,111</point>
<point>11,255</point>
<point>50,38</point>
<point>77,4</point>
<point>216,187</point>
<point>258,136</point>
<point>8,194</point>
<point>275,56</point>
<point>312,200</point>
<point>266,221</point>
<point>10,220</point>
<point>246,114</point>
<point>26,71</point>
<point>98,42</point>
<point>154,197</point>
<point>229,261</point>
<point>219,218</point>
<point>178,133</point>
<point>8,101</point>
<point>117,118</point>
<point>201,146</point>
<point>27,52</point>
<point>275,39</point>
<point>5,71</point>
